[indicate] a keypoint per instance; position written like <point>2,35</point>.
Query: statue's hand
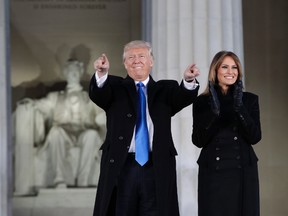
<point>25,101</point>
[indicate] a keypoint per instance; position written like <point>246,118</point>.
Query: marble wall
<point>5,97</point>
<point>265,50</point>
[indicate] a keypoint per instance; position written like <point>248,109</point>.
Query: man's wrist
<point>190,85</point>
<point>100,80</point>
<point>190,80</point>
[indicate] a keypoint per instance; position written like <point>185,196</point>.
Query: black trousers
<point>136,190</point>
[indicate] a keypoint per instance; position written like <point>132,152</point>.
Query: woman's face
<point>227,73</point>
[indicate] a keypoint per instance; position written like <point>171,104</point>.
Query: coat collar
<point>129,84</point>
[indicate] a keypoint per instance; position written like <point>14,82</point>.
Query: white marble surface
<point>56,202</point>
<point>185,32</point>
<point>5,94</point>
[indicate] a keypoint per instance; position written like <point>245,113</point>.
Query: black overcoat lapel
<point>129,84</point>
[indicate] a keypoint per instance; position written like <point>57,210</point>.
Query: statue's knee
<point>55,135</point>
<point>91,134</point>
<point>55,131</point>
<point>90,138</point>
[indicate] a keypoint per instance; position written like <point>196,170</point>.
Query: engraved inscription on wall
<point>69,4</point>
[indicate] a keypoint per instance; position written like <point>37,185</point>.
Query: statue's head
<point>73,70</point>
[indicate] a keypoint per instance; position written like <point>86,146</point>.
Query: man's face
<point>138,63</point>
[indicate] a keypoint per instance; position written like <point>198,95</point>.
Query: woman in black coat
<point>226,123</point>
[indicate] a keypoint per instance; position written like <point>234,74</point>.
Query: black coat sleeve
<point>103,96</point>
<point>204,122</point>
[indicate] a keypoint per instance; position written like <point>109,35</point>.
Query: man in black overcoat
<point>126,187</point>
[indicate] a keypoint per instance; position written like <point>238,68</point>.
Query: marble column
<point>185,32</point>
<point>5,97</point>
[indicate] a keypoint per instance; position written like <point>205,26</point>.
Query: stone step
<point>56,202</point>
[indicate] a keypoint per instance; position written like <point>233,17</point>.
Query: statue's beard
<point>71,87</point>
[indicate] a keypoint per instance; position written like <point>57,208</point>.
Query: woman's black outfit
<point>228,182</point>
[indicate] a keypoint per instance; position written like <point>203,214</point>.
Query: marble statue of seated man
<point>71,120</point>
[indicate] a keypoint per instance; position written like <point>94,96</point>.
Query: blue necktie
<point>142,135</point>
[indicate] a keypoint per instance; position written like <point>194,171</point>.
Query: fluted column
<point>185,32</point>
<point>5,96</point>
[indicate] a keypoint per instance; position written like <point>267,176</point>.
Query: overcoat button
<point>120,137</point>
<point>217,158</point>
<point>235,138</point>
<point>238,157</point>
<point>217,148</point>
<point>129,115</point>
<point>111,161</point>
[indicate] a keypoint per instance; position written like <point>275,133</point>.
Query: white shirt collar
<point>145,82</point>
